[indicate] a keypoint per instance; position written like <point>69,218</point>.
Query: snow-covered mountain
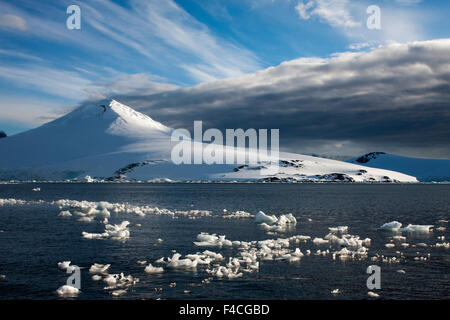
<point>424,170</point>
<point>112,141</point>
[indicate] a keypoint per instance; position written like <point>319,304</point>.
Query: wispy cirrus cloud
<point>400,21</point>
<point>335,12</point>
<point>12,21</point>
<point>408,2</point>
<point>155,29</point>
<point>150,46</point>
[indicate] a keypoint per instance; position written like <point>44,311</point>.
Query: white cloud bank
<point>396,96</point>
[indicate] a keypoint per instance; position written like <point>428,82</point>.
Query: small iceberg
<point>65,213</point>
<point>273,223</point>
<point>97,268</point>
<point>177,263</point>
<point>119,232</point>
<point>261,217</point>
<point>153,270</point>
<point>393,226</point>
<point>396,226</point>
<point>417,228</point>
<point>65,265</point>
<point>67,291</point>
<point>212,240</point>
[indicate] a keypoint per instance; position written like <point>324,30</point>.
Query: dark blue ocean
<point>33,239</point>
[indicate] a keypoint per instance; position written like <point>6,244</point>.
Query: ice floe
<point>335,291</point>
<point>212,240</point>
<point>274,223</point>
<point>153,270</point>
<point>396,226</point>
<point>391,226</point>
<point>65,265</point>
<point>65,214</point>
<point>118,232</point>
<point>97,268</point>
<point>118,283</point>
<point>417,228</point>
<point>67,291</point>
<point>176,263</point>
<point>103,209</point>
<point>238,215</point>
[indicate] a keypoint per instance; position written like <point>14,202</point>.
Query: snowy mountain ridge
<point>425,170</point>
<point>112,141</point>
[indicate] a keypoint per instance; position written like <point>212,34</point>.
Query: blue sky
<point>154,46</point>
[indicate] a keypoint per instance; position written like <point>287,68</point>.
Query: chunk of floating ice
<point>274,223</point>
<point>335,291</point>
<point>300,238</point>
<point>160,260</point>
<point>119,281</point>
<point>399,238</point>
<point>417,228</point>
<point>65,214</point>
<point>373,294</point>
<point>445,245</point>
<point>297,253</point>
<point>177,263</point>
<point>114,232</point>
<point>153,270</point>
<point>118,293</point>
<point>261,217</point>
<point>141,262</point>
<point>340,229</point>
<point>221,271</point>
<point>111,280</point>
<point>64,265</point>
<point>85,219</point>
<point>96,277</point>
<point>36,189</point>
<point>212,240</point>
<point>67,291</point>
<point>440,229</point>
<point>97,268</point>
<point>391,226</point>
<point>238,215</point>
<point>389,245</point>
<point>320,241</point>
<point>401,271</point>
<point>423,245</point>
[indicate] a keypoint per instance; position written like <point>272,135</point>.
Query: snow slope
<point>425,170</point>
<point>113,141</point>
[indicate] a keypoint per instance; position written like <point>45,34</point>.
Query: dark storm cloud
<point>395,97</point>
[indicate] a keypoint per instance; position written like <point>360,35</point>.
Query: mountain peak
<point>369,156</point>
<point>136,118</point>
<point>117,117</point>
